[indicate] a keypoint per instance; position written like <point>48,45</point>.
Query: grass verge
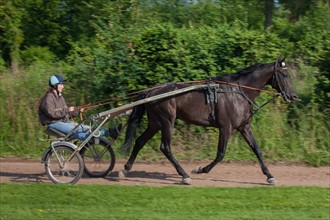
<point>46,201</point>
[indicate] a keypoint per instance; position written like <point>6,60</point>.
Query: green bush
<point>120,49</point>
<point>20,92</point>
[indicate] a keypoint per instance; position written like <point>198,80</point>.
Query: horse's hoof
<point>197,170</point>
<point>122,173</point>
<point>272,181</point>
<point>186,181</point>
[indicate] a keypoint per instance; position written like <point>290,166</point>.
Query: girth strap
<point>211,98</point>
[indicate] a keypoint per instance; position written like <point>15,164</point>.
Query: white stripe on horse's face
<point>283,64</point>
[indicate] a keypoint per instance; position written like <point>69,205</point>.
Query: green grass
<point>43,201</point>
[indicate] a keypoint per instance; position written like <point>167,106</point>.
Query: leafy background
<point>107,49</point>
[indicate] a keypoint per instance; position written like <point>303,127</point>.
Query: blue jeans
<point>81,134</point>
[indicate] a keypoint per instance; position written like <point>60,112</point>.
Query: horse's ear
<point>280,59</point>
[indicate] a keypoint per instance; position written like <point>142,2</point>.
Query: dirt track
<point>244,174</point>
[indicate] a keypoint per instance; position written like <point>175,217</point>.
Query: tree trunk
<point>14,62</point>
<point>268,13</point>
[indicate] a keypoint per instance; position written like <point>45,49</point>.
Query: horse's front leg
<point>222,145</point>
<point>247,133</point>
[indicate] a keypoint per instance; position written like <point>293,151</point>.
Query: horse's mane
<point>236,76</point>
<point>231,77</point>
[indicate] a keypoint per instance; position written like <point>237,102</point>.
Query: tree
<point>297,8</point>
<point>11,35</point>
<point>268,13</point>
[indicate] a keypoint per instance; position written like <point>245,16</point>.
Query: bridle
<point>276,79</point>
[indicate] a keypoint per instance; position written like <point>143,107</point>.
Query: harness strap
<point>247,98</point>
<point>212,98</point>
<point>241,92</point>
<point>256,111</point>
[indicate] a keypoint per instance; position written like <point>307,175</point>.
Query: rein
<point>247,87</point>
<point>133,94</point>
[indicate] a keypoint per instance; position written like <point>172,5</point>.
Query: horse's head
<point>281,81</point>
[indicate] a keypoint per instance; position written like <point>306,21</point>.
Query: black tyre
<point>99,157</point>
<point>62,170</point>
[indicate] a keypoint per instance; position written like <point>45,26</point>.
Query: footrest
<point>54,132</point>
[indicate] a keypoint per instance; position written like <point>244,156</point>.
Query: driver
<point>54,113</point>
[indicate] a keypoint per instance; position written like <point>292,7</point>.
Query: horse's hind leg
<point>247,133</point>
<point>140,142</point>
<point>165,147</point>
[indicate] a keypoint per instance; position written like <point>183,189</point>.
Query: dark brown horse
<point>227,107</point>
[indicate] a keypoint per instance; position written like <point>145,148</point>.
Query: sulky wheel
<point>62,166</point>
<point>98,157</point>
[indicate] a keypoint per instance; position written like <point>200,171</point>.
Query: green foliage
<point>106,49</point>
<point>37,54</point>
<point>314,29</point>
<point>322,91</point>
<point>20,92</point>
<point>11,34</point>
<point>26,201</point>
<point>2,64</point>
<point>207,12</point>
<point>164,53</point>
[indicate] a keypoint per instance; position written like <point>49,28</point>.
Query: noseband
<point>277,79</point>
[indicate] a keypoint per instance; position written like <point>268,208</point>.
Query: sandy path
<point>244,174</point>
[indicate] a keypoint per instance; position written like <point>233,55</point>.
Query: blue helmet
<point>55,80</point>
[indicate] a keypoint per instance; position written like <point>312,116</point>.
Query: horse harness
<point>214,88</point>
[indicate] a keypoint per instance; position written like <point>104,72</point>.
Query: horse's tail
<point>133,123</point>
